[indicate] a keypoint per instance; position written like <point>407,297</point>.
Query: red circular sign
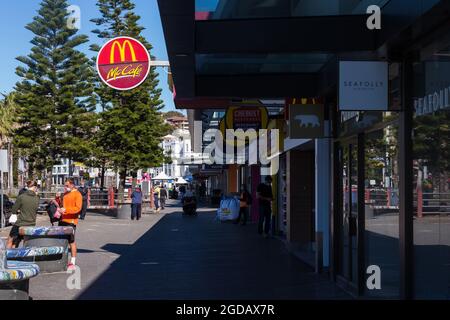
<point>123,63</point>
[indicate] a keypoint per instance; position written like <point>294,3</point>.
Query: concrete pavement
<point>170,256</point>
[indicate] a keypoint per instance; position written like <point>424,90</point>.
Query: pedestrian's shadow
<point>117,248</point>
<point>85,251</point>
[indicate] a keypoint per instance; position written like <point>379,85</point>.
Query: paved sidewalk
<point>170,256</point>
<point>200,258</point>
<point>100,239</point>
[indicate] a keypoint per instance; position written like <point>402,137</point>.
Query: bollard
<point>111,198</point>
<point>419,202</point>
<point>389,197</point>
<point>152,200</point>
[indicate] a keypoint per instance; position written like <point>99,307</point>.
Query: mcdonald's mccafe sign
<point>123,63</point>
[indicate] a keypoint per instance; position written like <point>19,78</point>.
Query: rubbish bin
<point>124,211</point>
<point>216,197</point>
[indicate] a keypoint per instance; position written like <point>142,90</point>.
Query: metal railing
<point>382,198</point>
<point>431,202</point>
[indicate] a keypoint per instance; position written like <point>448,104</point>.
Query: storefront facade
<point>431,155</point>
<point>391,200</point>
<point>378,188</point>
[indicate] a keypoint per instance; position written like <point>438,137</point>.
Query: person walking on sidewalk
<point>156,197</point>
<point>136,204</point>
<point>163,196</point>
<point>84,190</point>
<point>25,209</point>
<point>244,203</point>
<point>72,205</point>
<point>265,197</point>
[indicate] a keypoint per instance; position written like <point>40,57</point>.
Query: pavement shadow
<point>199,259</point>
<point>85,250</point>
<point>119,249</point>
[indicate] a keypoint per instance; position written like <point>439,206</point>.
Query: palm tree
<point>7,118</point>
<point>8,110</point>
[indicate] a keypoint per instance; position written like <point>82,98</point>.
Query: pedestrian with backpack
<point>156,197</point>
<point>54,209</point>
<point>245,203</point>
<point>23,213</point>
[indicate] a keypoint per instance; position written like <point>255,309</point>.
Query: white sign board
<point>4,161</point>
<point>363,85</point>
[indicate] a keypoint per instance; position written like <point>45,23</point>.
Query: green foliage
<point>431,142</point>
<point>7,117</point>
<point>131,127</point>
<point>55,94</point>
<point>171,114</point>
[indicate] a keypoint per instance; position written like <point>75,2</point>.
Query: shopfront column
<point>322,203</point>
<point>406,183</point>
<point>300,198</point>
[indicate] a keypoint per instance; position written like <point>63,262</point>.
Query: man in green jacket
<point>25,208</point>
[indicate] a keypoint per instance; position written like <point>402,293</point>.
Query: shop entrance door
<point>349,164</point>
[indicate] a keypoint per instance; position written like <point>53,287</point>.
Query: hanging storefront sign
<point>306,121</point>
<point>123,63</point>
<point>292,101</point>
<point>244,118</point>
<point>4,161</point>
<point>363,86</point>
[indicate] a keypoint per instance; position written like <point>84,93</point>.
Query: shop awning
<point>181,181</point>
<point>162,176</point>
<point>222,49</point>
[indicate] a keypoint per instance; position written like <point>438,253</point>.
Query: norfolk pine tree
<point>55,94</point>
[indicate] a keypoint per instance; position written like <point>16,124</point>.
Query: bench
<point>15,277</point>
<point>49,243</point>
<point>45,257</point>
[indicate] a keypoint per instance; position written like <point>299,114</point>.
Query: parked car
<point>7,208</point>
<point>42,209</point>
<point>173,194</point>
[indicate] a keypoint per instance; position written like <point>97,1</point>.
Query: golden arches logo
<point>126,69</point>
<point>122,48</point>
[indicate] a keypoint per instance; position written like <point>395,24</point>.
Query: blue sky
<point>16,39</point>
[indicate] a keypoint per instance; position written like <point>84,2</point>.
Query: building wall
<point>300,200</point>
<point>233,178</point>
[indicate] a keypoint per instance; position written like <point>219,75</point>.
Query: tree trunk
<point>134,175</point>
<point>10,166</point>
<point>102,177</point>
<point>70,168</point>
<point>49,179</point>
<point>123,178</point>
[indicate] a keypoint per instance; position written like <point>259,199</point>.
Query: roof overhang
<point>186,38</point>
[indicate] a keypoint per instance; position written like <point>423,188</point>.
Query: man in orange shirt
<point>72,205</point>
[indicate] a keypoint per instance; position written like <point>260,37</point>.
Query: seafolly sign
<point>432,102</point>
<point>363,85</point>
<point>306,121</point>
